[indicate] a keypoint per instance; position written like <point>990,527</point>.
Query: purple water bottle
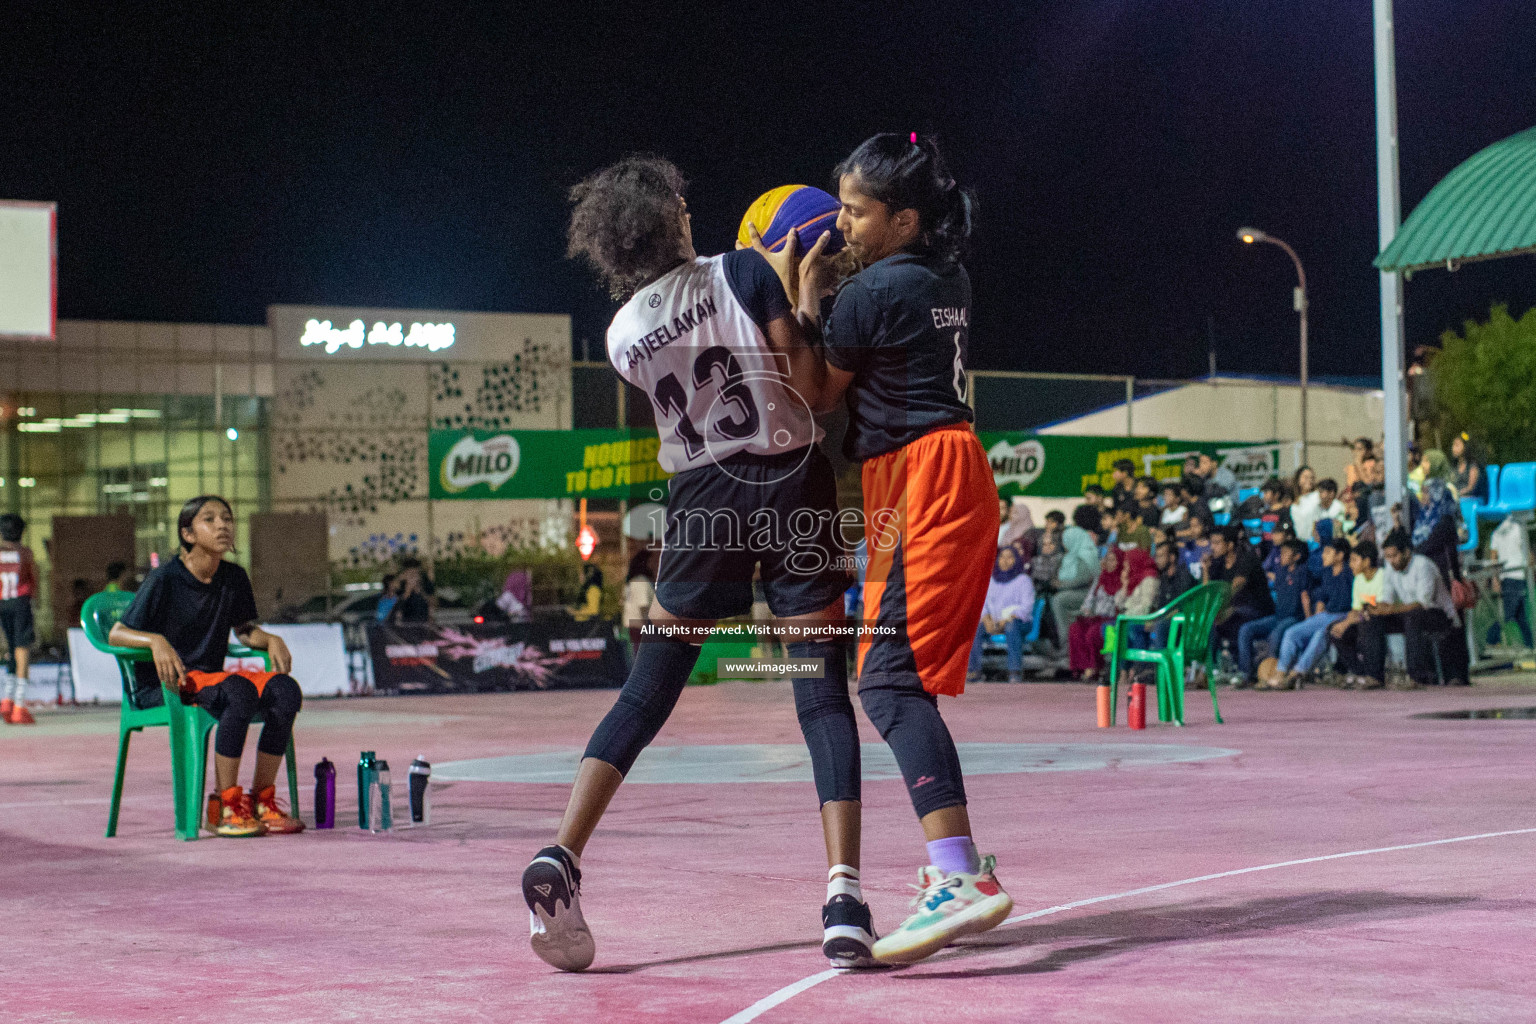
<point>325,794</point>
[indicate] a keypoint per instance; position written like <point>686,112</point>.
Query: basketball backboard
<point>28,270</point>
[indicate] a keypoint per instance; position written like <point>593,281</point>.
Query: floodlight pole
<point>1389,214</point>
<point>1250,236</point>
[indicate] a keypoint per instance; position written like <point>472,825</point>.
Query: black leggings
<point>234,702</point>
<point>907,717</point>
<point>661,671</point>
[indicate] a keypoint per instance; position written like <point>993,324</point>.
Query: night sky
<point>206,166</point>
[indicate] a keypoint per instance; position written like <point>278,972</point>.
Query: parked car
<point>357,608</point>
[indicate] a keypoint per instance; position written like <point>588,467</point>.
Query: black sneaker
<point>848,933</point>
<point>552,889</point>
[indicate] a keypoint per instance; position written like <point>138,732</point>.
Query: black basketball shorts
<point>773,513</point>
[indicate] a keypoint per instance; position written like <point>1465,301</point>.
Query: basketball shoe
<point>945,908</point>
<point>552,890</point>
<point>848,933</point>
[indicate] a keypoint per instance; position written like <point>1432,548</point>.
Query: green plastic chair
<point>1191,617</point>
<point>189,726</point>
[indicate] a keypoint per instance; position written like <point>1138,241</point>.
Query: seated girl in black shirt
<point>183,614</point>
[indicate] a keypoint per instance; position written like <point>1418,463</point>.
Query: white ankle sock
<point>845,882</point>
<point>575,860</point>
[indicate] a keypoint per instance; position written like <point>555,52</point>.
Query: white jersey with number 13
<point>690,343</point>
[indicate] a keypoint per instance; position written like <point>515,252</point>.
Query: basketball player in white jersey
<point>715,343</point>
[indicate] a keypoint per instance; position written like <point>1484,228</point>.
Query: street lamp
<point>1251,235</point>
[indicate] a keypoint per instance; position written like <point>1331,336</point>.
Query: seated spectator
<point>1359,525</point>
<point>1055,522</point>
<point>1173,580</point>
<point>1047,562</point>
<point>183,615</point>
<point>1277,506</point>
<point>1144,490</point>
<point>1471,481</point>
<point>1284,534</point>
<point>1130,531</point>
<point>1365,593</point>
<point>1321,503</point>
<point>1373,473</point>
<point>1303,482</point>
<point>1079,565</point>
<point>591,592</point>
<point>1510,547</point>
<point>1194,546</point>
<point>1018,529</point>
<point>1191,464</point>
<point>1232,560</point>
<point>1363,448</point>
<point>1416,468</point>
<point>1219,480</point>
<point>118,579</point>
<point>1329,601</point>
<point>1288,590</point>
<point>1009,609</point>
<point>1436,518</point>
<point>1173,512</point>
<point>389,596</point>
<point>417,592</point>
<point>1093,495</point>
<point>1127,584</point>
<point>1122,478</point>
<point>1416,602</point>
<point>1191,497</point>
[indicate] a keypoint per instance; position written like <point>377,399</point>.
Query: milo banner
<point>1060,466</point>
<point>604,463</point>
<point>555,654</point>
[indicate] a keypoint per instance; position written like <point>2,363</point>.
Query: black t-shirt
<point>195,617</point>
<point>755,286</point>
<point>1255,593</point>
<point>902,327</point>
<point>414,607</point>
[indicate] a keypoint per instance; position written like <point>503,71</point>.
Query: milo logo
<point>1016,463</point>
<point>491,462</point>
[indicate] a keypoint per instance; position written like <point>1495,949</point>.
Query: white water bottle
<point>380,814</point>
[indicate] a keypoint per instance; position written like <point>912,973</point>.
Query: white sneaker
<point>946,907</point>
<point>552,890</point>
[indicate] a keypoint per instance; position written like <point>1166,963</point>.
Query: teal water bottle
<point>381,816</point>
<point>366,773</point>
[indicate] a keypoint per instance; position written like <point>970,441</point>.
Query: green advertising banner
<point>603,463</point>
<point>1060,466</point>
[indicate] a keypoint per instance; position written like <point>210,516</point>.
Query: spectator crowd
<point>1313,566</point>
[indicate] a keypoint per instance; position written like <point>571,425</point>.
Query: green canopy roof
<point>1483,209</point>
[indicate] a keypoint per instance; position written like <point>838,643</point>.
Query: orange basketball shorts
<point>202,680</point>
<point>930,529</point>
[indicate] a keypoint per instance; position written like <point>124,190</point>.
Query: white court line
<point>788,992</point>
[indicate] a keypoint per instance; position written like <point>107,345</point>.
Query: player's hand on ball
<point>816,274</point>
<point>785,262</point>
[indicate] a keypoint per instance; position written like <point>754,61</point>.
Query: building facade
<point>322,409</point>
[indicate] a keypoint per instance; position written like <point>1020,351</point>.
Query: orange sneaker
<point>237,819</point>
<point>20,716</point>
<point>271,815</point>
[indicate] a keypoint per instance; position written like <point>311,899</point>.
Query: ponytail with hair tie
<point>914,175</point>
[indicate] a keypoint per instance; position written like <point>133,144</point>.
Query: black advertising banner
<point>552,654</point>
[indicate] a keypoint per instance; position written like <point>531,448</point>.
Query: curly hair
<point>625,223</point>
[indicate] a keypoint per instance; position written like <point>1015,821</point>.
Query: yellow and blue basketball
<point>805,210</point>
